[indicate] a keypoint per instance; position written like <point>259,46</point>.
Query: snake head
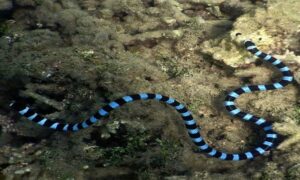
<point>17,105</point>
<point>248,43</point>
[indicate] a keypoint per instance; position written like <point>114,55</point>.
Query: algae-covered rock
<point>271,171</point>
<point>289,128</point>
<point>294,172</point>
<point>225,51</point>
<point>271,27</point>
<point>5,5</point>
<point>297,75</point>
<point>26,3</point>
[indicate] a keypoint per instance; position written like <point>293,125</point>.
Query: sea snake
<point>190,123</point>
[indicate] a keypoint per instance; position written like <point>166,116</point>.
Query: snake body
<point>190,123</point>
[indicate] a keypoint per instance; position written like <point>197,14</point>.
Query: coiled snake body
<point>193,130</point>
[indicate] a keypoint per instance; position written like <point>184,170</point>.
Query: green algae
<point>115,156</point>
<point>296,114</point>
<point>4,29</point>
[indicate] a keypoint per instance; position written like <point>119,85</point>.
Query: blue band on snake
<point>190,123</point>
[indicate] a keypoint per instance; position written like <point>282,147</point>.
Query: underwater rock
<point>5,7</point>
<point>89,5</point>
<point>154,35</point>
<point>297,76</point>
<point>288,128</point>
<point>67,20</point>
<point>26,3</point>
<point>235,8</point>
<point>7,125</point>
<point>294,171</point>
<point>271,171</point>
<point>272,28</point>
<point>215,2</point>
<point>223,50</point>
<point>22,171</point>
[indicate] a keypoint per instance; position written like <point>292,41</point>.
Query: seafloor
<point>69,57</point>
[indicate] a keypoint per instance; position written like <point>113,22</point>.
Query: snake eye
<point>260,39</point>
